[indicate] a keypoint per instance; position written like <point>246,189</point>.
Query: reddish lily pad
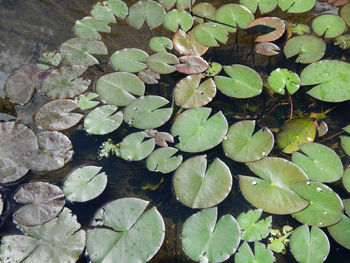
<point>186,44</point>
<point>273,22</point>
<point>192,65</point>
<point>267,49</point>
<point>337,2</point>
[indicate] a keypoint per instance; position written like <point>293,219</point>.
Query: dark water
<point>30,27</point>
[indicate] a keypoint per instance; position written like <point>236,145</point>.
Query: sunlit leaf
<point>175,19</point>
<point>186,44</point>
<point>282,78</point>
<point>265,6</point>
<point>160,44</point>
<point>134,148</point>
<point>203,10</point>
<point>328,25</point>
<point>262,254</point>
<point>100,11</point>
<point>271,22</point>
<point>118,7</point>
<point>129,60</point>
<point>89,28</point>
<point>213,69</point>
<point>163,160</point>
<point>162,63</point>
<point>208,34</point>
<point>296,6</point>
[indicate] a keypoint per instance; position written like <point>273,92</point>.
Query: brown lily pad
<point>267,49</point>
<point>192,65</point>
<point>186,44</point>
<point>272,22</point>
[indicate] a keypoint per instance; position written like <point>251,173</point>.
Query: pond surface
<point>30,27</point>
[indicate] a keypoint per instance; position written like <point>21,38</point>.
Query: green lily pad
<point>160,44</point>
<point>78,51</point>
<point>100,11</point>
<point>133,148</point>
<point>204,10</point>
<point>279,240</point>
<point>244,82</point>
<point>273,192</point>
<point>48,60</point>
<point>147,11</point>
<point>280,79</point>
<point>175,19</point>
<point>57,115</point>
<point>64,82</point>
<point>242,146</point>
<point>265,6</point>
<point>84,184</point>
<point>262,254</point>
<point>186,44</point>
<point>118,7</point>
<point>252,229</point>
<point>163,160</point>
<point>204,240</point>
<point>346,203</point>
<point>103,120</point>
<point>343,41</point>
<point>196,132</point>
<point>308,49</point>
<point>328,25</point>
<point>295,132</point>
<point>332,79</point>
<point>233,16</point>
<point>119,88</point>
<point>345,13</point>
<point>128,232</point>
<point>198,187</point>
<point>146,113</point>
<point>42,202</point>
<point>58,241</point>
<point>346,179</point>
<point>213,69</point>
<point>162,63</point>
<point>190,93</point>
<point>180,4</point>
<point>85,101</point>
<point>309,246</point>
<point>319,162</point>
<point>296,6</point>
<point>325,206</point>
<point>129,60</point>
<point>208,34</point>
<point>89,28</point>
<point>340,232</point>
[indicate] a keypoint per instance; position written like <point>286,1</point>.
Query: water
<point>30,27</point>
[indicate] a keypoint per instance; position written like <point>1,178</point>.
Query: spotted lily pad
<point>196,132</point>
<point>282,78</point>
<point>262,254</point>
<point>273,192</point>
<point>42,202</point>
<point>160,44</point>
<point>129,233</point>
<point>186,44</point>
<point>198,187</point>
<point>265,6</point>
<point>133,148</point>
<point>328,25</point>
<point>84,184</point>
<point>162,63</point>
<point>242,146</point>
<point>205,240</point>
<point>103,120</point>
<point>89,28</point>
<point>85,101</point>
<point>271,22</point>
<point>296,6</point>
<point>208,34</point>
<point>345,13</point>
<point>163,160</point>
<point>192,65</point>
<point>175,19</point>
<point>129,60</point>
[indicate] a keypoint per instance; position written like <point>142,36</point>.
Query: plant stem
<point>291,106</point>
<point>331,137</point>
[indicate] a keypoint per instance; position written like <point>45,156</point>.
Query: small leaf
<point>343,41</point>
<point>163,160</point>
<point>280,79</point>
<point>89,28</point>
<point>162,63</point>
<point>129,60</point>
<point>213,69</point>
<point>208,34</point>
<point>175,19</point>
<point>186,44</point>
<point>267,49</point>
<point>262,254</point>
<point>85,101</point>
<point>160,44</point>
<point>300,29</point>
<point>192,65</point>
<point>149,77</point>
<point>48,60</point>
<point>233,15</point>
<point>133,148</point>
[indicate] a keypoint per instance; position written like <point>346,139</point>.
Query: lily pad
<point>262,254</point>
<point>273,192</point>
<point>149,77</point>
<point>198,187</point>
<point>58,241</point>
<point>89,28</point>
<point>208,34</point>
<point>328,25</point>
<point>162,63</point>
<point>345,13</point>
<point>84,184</point>
<point>196,132</point>
<point>119,88</point>
<point>244,82</point>
<point>186,44</point>
<point>296,6</point>
<point>133,148</point>
<point>146,112</point>
<point>340,232</point>
<point>129,60</point>
<point>118,7</point>
<point>203,10</point>
<point>325,206</point>
<point>85,101</point>
<point>192,65</point>
<point>163,160</point>
<point>205,240</point>
<point>295,132</point>
<point>175,19</point>
<point>267,49</point>
<point>242,146</point>
<point>271,22</point>
<point>331,77</point>
<point>147,11</point>
<point>233,16</point>
<point>102,12</point>
<point>319,162</point>
<point>308,49</point>
<point>265,6</point>
<point>180,4</point>
<point>160,44</point>
<point>48,60</point>
<point>346,179</point>
<point>129,233</point>
<point>57,115</point>
<point>190,93</point>
<point>64,82</point>
<point>309,246</point>
<point>282,78</point>
<point>343,41</point>
<point>213,69</point>
<point>103,120</point>
<point>42,202</point>
<point>78,51</point>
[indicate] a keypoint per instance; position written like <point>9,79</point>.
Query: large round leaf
<point>186,44</point>
<point>282,78</point>
<point>162,63</point>
<point>328,25</point>
<point>89,28</point>
<point>265,6</point>
<point>129,60</point>
<point>273,193</point>
<point>42,202</point>
<point>133,148</point>
<point>271,22</point>
<point>242,146</point>
<point>262,254</point>
<point>320,163</point>
<point>129,233</point>
<point>332,79</point>
<point>57,115</point>
<point>84,184</point>
<point>197,187</point>
<point>345,13</point>
<point>309,246</point>
<point>190,93</point>
<point>296,6</point>
<point>103,120</point>
<point>163,160</point>
<point>196,132</point>
<point>146,112</point>
<point>233,15</point>
<point>204,240</point>
<point>58,241</point>
<point>325,206</point>
<point>244,82</point>
<point>119,88</point>
<point>208,34</point>
<point>341,231</point>
<point>175,19</point>
<point>308,49</point>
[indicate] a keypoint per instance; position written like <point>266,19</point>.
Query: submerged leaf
<point>149,77</point>
<point>267,49</point>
